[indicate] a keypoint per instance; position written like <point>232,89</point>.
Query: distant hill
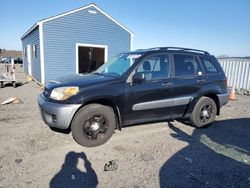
<point>223,56</point>
<point>10,53</point>
<point>231,57</point>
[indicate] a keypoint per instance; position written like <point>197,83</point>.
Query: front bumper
<point>56,115</point>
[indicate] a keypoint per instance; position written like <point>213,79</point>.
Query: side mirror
<point>139,77</point>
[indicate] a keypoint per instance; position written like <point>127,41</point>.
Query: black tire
<point>85,120</point>
<point>204,112</point>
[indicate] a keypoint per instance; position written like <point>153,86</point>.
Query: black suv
<point>156,84</point>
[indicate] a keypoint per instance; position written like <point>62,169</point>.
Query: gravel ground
<point>153,155</point>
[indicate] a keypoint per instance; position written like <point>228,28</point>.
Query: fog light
<point>54,119</point>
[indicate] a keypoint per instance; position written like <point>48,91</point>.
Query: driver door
<point>149,98</point>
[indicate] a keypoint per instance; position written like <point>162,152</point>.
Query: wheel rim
<point>206,113</point>
<point>95,127</point>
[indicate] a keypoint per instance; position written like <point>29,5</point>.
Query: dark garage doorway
<point>90,58</point>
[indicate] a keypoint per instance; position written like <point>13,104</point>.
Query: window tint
<point>186,65</point>
<point>155,67</point>
<point>209,66</point>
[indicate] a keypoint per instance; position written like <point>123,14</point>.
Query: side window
<point>155,67</point>
<point>186,65</point>
<point>209,66</point>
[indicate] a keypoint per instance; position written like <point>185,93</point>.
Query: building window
<point>34,51</point>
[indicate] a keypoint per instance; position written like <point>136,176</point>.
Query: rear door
<point>187,81</point>
<point>149,99</point>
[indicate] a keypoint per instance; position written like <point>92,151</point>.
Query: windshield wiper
<point>107,75</point>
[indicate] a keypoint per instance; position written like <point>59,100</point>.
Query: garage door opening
<point>90,58</point>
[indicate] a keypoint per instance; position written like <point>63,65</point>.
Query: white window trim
<point>41,53</point>
<point>29,58</point>
<point>105,47</point>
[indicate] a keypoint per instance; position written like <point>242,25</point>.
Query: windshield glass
<point>118,65</point>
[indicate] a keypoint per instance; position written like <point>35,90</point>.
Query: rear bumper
<point>56,115</point>
<point>223,98</point>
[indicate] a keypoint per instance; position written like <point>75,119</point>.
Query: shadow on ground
<point>71,176</point>
<point>216,156</point>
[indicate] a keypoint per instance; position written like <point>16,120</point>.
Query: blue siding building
<point>74,42</point>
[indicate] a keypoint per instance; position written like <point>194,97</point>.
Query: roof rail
<point>179,48</point>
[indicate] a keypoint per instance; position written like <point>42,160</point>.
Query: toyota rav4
<point>156,84</point>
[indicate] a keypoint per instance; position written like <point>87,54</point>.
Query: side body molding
<point>162,103</point>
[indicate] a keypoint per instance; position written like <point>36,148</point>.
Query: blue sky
<point>219,26</point>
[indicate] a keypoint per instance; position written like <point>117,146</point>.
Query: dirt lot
<point>153,155</point>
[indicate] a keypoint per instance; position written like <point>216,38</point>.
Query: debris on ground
<point>147,157</point>
<point>28,78</point>
<point>111,166</point>
<point>28,182</point>
<point>18,161</point>
<point>13,100</point>
<point>242,91</point>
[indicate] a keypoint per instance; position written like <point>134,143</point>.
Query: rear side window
<point>209,66</point>
<point>186,65</point>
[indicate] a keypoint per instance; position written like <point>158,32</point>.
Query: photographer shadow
<point>71,176</point>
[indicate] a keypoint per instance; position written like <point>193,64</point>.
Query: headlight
<point>63,93</point>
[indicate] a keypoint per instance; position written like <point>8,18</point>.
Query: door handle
<point>167,84</point>
<point>201,80</point>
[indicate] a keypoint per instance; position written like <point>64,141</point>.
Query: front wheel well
<point>109,103</point>
<point>216,100</point>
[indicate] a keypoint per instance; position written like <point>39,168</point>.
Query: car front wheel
<point>204,112</point>
<point>93,125</point>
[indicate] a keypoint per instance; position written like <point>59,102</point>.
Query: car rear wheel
<point>93,125</point>
<point>204,112</point>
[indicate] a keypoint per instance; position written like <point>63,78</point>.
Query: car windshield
<point>118,65</point>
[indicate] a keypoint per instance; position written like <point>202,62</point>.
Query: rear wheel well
<point>110,104</point>
<point>216,100</point>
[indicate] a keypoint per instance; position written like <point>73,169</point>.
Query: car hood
<point>79,80</point>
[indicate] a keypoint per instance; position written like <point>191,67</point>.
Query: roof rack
<point>179,48</point>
